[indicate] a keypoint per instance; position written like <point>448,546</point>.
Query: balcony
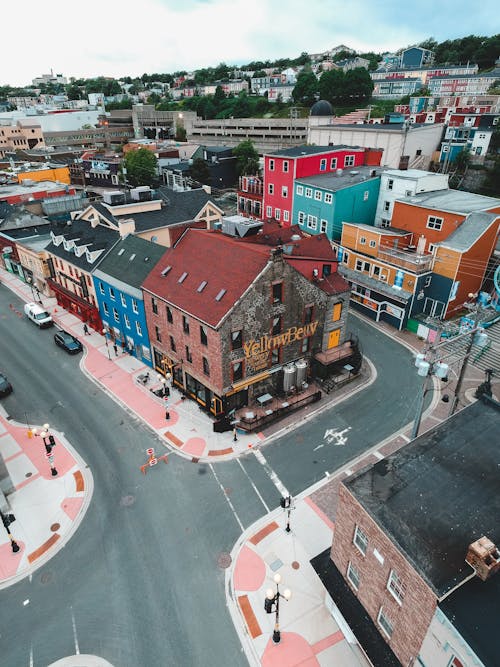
<point>407,259</point>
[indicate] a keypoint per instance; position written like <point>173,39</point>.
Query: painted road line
<point>75,636</point>
<point>378,455</point>
<point>226,497</point>
<point>253,486</point>
<point>271,474</point>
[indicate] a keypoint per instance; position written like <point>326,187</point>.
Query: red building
<point>282,168</point>
<point>28,191</point>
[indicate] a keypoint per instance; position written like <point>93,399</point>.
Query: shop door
<point>333,338</point>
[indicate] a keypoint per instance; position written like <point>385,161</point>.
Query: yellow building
<point>59,174</point>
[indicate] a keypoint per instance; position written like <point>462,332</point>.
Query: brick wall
<point>411,619</point>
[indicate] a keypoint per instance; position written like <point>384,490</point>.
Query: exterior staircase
<point>489,355</point>
<point>357,117</point>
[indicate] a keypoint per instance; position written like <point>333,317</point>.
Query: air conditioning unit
<point>114,198</point>
<point>142,193</point>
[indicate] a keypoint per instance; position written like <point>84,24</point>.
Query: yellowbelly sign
<point>266,343</point>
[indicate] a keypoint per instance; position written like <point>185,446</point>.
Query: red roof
<point>227,266</point>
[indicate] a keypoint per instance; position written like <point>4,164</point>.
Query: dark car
<point>68,342</point>
<point>5,386</point>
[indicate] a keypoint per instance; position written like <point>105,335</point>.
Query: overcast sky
<point>130,37</point>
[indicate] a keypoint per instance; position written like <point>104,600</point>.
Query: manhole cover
<point>46,577</point>
<point>295,565</point>
<point>55,526</point>
<point>224,560</point>
<point>28,474</point>
<point>126,501</point>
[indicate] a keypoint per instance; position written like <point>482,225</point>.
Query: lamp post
<point>273,599</point>
<point>163,383</point>
<point>7,519</point>
<point>36,297</point>
<point>286,504</point>
<point>427,367</point>
<point>105,334</point>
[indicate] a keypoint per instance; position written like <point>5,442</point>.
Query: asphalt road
<point>142,580</point>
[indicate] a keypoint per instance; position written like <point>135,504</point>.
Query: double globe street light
<point>272,603</point>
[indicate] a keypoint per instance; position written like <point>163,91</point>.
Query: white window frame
<point>372,244</point>
<point>277,214</point>
<point>362,240</point>
<point>116,315</point>
<point>101,288</point>
<point>387,205</point>
<point>285,166</point>
<point>309,193</point>
<point>396,587</point>
<point>123,299</point>
<point>300,189</point>
<point>323,226</point>
<point>353,576</point>
<point>328,197</point>
<point>318,195</point>
<point>270,188</point>
<point>349,161</point>
<point>269,211</point>
<point>301,217</point>
<point>126,320</point>
<point>427,281</point>
<point>434,222</point>
<point>333,163</point>
<point>363,540</point>
<point>366,195</point>
<point>286,215</point>
<point>135,307</point>
<point>138,329</point>
<point>385,222</point>
<point>105,308</point>
<point>312,221</point>
<point>112,295</point>
<point>345,258</point>
<point>381,619</point>
<point>322,164</point>
<point>390,184</point>
<point>284,191</point>
<point>271,165</point>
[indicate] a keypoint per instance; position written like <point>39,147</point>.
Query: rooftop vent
<point>484,557</point>
<point>220,295</point>
<point>166,270</point>
<point>121,251</point>
<point>202,286</point>
<point>183,277</point>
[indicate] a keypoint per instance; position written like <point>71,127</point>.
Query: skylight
<point>202,286</point>
<point>220,295</point>
<point>183,277</point>
<point>121,251</point>
<point>131,257</point>
<point>166,270</point>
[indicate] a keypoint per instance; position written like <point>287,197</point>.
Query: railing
<point>257,422</point>
<point>413,261</point>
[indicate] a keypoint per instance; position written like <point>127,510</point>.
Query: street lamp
<point>7,519</point>
<point>273,598</point>
<point>427,368</point>
<point>163,383</point>
<point>29,280</point>
<point>286,504</point>
<point>105,334</point>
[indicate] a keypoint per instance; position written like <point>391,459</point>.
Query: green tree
<point>199,171</point>
<point>73,93</point>
<point>247,158</point>
<point>180,133</point>
<point>305,89</point>
<point>331,86</point>
<point>141,166</point>
<point>358,85</point>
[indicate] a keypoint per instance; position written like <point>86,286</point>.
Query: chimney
<point>484,557</point>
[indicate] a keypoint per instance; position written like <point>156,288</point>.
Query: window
<point>349,161</point>
<point>203,335</point>
<point>285,166</point>
<point>237,369</point>
<point>101,287</point>
<point>172,344</point>
<point>154,305</point>
<point>433,222</point>
<point>275,356</point>
<point>206,366</point>
<point>286,215</point>
<point>112,293</point>
<point>304,346</point>
<point>385,222</point>
<point>277,213</point>
<point>116,317</point>
<point>333,163</point>
<point>123,300</point>
<point>301,217</point>
<point>308,314</point>
<point>105,308</point>
<point>277,293</point>
<point>312,221</point>
<point>322,165</point>
<point>384,622</point>
<point>362,240</point>
<point>387,205</point>
<point>271,165</point>
<point>189,356</point>
<point>323,225</point>
<point>309,192</point>
<point>284,191</point>
<point>328,198</point>
<point>126,319</point>
<point>170,317</point>
<point>353,575</point>
<point>366,194</point>
<point>345,258</point>
<point>236,339</point>
<point>360,540</point>
<point>373,244</point>
<point>185,324</point>
<point>396,587</point>
<point>390,184</point>
<point>276,325</point>
<point>134,306</point>
<point>408,193</point>
<point>158,334</point>
<point>361,265</point>
<point>300,189</point>
<point>269,211</point>
<point>318,195</point>
<point>428,281</point>
<point>138,329</point>
<point>270,188</point>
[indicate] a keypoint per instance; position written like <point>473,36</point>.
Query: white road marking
<point>253,486</point>
<point>26,602</point>
<point>336,437</point>
<point>378,455</point>
<point>405,437</point>
<point>226,497</point>
<point>31,656</point>
<point>318,447</point>
<point>348,472</point>
<point>271,474</point>
<point>75,637</point>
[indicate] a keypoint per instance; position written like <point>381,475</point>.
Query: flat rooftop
<point>342,178</point>
<point>439,493</point>
<point>456,201</point>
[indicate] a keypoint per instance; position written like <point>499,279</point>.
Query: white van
<point>38,315</point>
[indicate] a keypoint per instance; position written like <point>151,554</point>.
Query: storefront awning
<point>242,384</point>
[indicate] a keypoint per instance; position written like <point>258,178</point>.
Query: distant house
<point>416,56</point>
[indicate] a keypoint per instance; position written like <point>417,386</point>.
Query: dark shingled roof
<point>99,237</point>
<point>131,260</point>
<point>301,151</point>
<point>439,493</point>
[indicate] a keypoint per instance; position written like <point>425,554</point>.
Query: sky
<point>131,37</point>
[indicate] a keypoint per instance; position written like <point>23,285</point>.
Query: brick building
<point>228,326</point>
<point>415,538</point>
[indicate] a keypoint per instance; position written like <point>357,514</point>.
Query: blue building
<point>322,203</point>
<point>416,56</point>
<point>117,285</point>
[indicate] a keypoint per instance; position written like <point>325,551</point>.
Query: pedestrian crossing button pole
<point>286,504</point>
<point>7,519</point>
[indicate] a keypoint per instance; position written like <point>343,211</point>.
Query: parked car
<point>38,315</point>
<point>68,342</point>
<point>5,386</point>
